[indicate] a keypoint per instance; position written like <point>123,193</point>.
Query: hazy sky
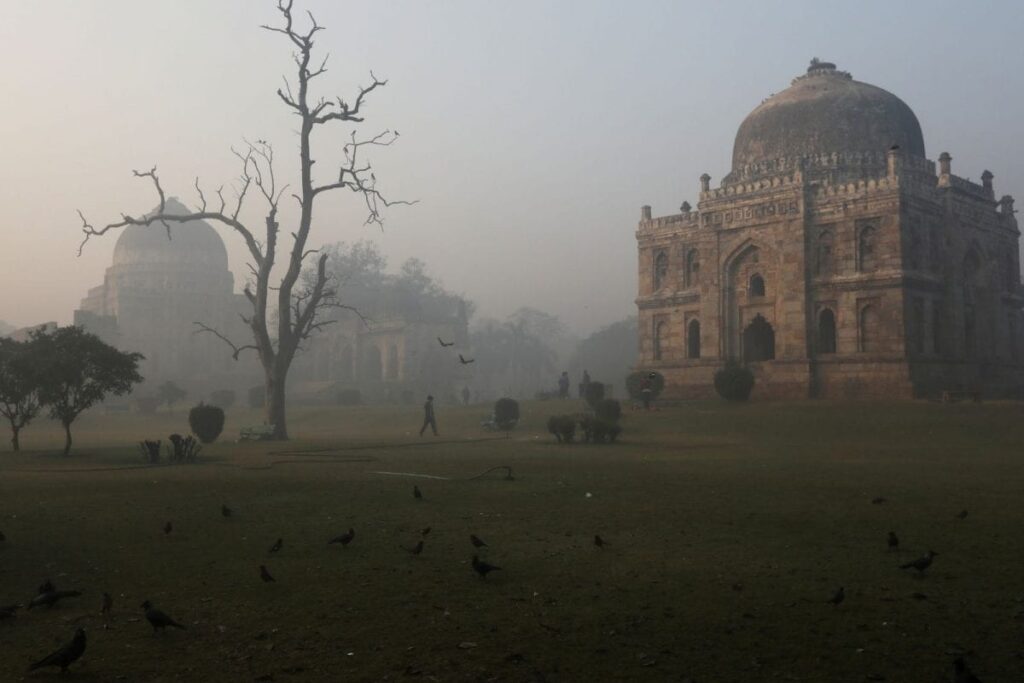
<point>531,132</point>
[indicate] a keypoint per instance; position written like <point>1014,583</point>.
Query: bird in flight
<point>265,575</point>
<point>443,343</point>
<point>483,568</point>
<point>278,544</point>
<point>344,539</point>
<point>66,655</point>
<point>466,361</point>
<point>157,619</point>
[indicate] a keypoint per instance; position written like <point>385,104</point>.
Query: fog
<point>531,132</point>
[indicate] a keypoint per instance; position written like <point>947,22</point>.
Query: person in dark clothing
<point>428,416</point>
<point>563,385</point>
<point>584,383</point>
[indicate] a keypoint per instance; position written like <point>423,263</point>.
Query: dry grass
<point>729,528</point>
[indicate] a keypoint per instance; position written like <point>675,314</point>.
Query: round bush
<point>734,382</point>
<point>506,413</point>
<point>608,410</point>
<point>563,427</point>
<point>594,394</point>
<point>206,422</point>
<point>635,381</point>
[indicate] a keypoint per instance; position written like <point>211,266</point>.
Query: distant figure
<point>465,396</point>
<point>428,416</point>
<point>563,385</point>
<point>584,383</point>
<point>647,390</point>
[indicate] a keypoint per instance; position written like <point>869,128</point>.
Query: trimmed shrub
<point>506,413</point>
<point>608,410</point>
<point>635,381</point>
<point>257,396</point>
<point>594,394</point>
<point>223,398</point>
<point>596,430</point>
<point>206,422</point>
<point>563,427</point>
<point>734,382</point>
<point>349,397</point>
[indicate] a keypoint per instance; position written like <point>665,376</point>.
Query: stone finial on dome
<point>944,163</point>
<point>986,182</point>
<point>705,182</point>
<point>685,208</point>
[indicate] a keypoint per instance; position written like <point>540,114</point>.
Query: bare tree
<point>299,302</point>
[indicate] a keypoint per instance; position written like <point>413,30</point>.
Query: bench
<point>954,396</point>
<point>257,433</point>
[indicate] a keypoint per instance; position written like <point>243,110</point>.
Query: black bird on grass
<point>483,568</point>
<point>344,539</point>
<point>46,587</point>
<point>921,563</point>
<point>963,674</point>
<point>265,575</point>
<point>278,544</point>
<point>225,510</point>
<point>168,528</point>
<point>477,541</point>
<point>51,598</point>
<point>65,656</point>
<point>443,343</point>
<point>962,514</point>
<point>424,531</point>
<point>878,501</point>
<point>108,603</point>
<point>599,542</point>
<point>466,361</point>
<point>416,549</point>
<point>894,543</point>
<point>416,493</point>
<point>839,596</point>
<point>157,619</point>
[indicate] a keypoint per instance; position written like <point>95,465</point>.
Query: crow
<point>962,674</point>
<point>838,597</point>
<point>46,587</point>
<point>443,343</point>
<point>424,531</point>
<point>466,361</point>
<point>599,542</point>
<point>278,544</point>
<point>168,528</point>
<point>482,568</point>
<point>157,619</point>
<point>878,501</point>
<point>962,514</point>
<point>225,510</point>
<point>344,539</point>
<point>894,543</point>
<point>2,537</point>
<point>265,575</point>
<point>66,655</point>
<point>51,598</point>
<point>416,493</point>
<point>416,549</point>
<point>477,541</point>
<point>108,602</point>
<point>921,563</point>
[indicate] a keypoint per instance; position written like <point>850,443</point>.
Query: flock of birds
<point>463,360</point>
<point>47,595</point>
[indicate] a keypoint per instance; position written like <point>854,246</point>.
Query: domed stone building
<point>835,260</point>
<point>156,287</point>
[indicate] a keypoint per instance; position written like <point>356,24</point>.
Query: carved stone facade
<point>850,266</point>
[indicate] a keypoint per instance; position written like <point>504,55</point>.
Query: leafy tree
<point>608,353</point>
<point>78,370</point>
<point>284,312</point>
<point>510,358</point>
<point>19,385</point>
<point>170,393</point>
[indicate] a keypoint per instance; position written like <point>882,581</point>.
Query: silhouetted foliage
<point>563,427</point>
<point>78,370</point>
<point>596,430</point>
<point>150,451</point>
<point>183,449</point>
<point>206,421</point>
<point>635,382</point>
<point>609,410</point>
<point>19,385</point>
<point>594,394</point>
<point>734,382</point>
<point>223,398</point>
<point>170,393</point>
<point>506,413</point>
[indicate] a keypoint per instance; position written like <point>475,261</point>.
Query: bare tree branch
<point>234,348</point>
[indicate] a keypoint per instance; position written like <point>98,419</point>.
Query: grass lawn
<point>729,528</point>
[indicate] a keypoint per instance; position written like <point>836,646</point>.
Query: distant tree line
<point>64,372</point>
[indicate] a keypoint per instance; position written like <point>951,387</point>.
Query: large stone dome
<point>192,245</point>
<point>825,111</point>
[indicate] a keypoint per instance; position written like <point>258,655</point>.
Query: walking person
<point>647,390</point>
<point>428,416</point>
<point>563,385</point>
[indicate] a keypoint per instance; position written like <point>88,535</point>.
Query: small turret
<point>685,208</point>
<point>986,182</point>
<point>645,212</point>
<point>705,183</point>
<point>944,163</point>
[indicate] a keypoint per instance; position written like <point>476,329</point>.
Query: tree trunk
<point>276,406</point>
<point>14,438</point>
<point>67,438</point>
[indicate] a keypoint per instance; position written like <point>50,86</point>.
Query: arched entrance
<point>758,341</point>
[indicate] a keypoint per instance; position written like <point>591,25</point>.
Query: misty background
<point>531,132</point>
